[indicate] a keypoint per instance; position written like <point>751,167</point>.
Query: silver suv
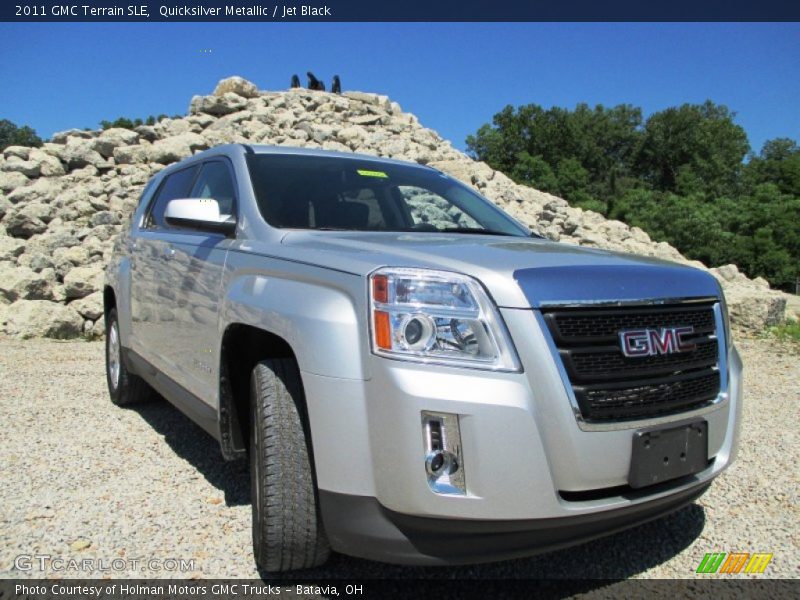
<point>412,375</point>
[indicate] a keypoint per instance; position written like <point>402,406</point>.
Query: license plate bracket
<point>660,455</point>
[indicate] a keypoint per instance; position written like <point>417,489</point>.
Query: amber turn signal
<point>383,330</point>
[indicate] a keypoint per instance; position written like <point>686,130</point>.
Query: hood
<point>518,272</point>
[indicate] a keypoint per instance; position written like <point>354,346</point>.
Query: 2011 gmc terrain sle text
<point>412,375</point>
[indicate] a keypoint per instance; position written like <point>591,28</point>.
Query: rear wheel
<point>124,387</point>
<point>287,528</point>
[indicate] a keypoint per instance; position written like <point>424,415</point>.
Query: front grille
<point>598,325</point>
<point>593,363</point>
<point>610,386</point>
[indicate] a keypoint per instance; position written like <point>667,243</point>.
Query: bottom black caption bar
<point>442,588</point>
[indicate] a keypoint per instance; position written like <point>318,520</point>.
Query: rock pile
<point>61,205</point>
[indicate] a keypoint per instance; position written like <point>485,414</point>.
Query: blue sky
<point>454,77</point>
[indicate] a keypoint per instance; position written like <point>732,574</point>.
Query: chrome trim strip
<point>718,403</point>
<point>619,303</point>
<point>628,280</point>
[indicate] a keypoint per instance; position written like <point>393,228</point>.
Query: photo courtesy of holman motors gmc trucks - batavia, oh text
<point>412,375</point>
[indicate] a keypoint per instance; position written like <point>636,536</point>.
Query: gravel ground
<point>85,480</point>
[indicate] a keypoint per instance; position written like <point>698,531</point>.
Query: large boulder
<point>36,260</point>
<point>5,206</point>
<point>237,85</point>
<point>42,189</point>
<point>753,310</point>
<point>217,105</point>
<point>23,283</point>
<point>17,165</point>
<point>175,148</point>
<point>82,281</point>
<point>131,154</point>
<point>79,153</point>
<point>61,137</point>
<point>41,318</point>
<point>90,307</point>
<point>12,180</point>
<point>25,221</point>
<point>10,248</point>
<point>48,165</point>
<point>113,138</point>
<point>20,152</point>
<point>77,255</point>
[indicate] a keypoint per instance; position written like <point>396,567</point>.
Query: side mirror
<point>199,213</point>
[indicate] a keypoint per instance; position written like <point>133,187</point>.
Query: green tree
<point>535,172</point>
<point>126,123</point>
<point>759,232</point>
<point>13,135</point>
<point>680,175</point>
<point>122,122</point>
<point>767,226</point>
<point>778,163</point>
<point>697,143</point>
<point>583,154</point>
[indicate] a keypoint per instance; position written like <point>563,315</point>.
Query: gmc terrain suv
<point>412,375</point>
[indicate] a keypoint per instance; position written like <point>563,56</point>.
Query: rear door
<point>155,278</point>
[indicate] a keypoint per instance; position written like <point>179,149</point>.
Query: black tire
<point>287,528</point>
<point>124,387</point>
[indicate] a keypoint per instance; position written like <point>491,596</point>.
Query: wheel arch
<point>242,347</point>
<point>109,300</point>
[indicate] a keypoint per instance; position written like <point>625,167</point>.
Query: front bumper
<point>360,526</point>
<point>535,479</point>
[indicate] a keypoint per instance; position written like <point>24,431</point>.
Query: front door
<point>198,261</point>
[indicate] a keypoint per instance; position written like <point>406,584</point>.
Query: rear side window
<point>145,192</point>
<point>175,185</point>
<point>215,182</point>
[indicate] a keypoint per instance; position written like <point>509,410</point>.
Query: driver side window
<point>215,182</point>
<point>175,185</point>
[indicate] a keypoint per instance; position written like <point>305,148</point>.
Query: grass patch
<point>788,331</point>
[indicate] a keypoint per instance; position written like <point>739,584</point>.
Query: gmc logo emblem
<point>651,342</point>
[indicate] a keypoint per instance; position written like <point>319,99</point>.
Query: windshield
<point>333,193</point>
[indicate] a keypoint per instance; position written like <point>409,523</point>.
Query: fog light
<point>443,461</point>
<point>440,463</point>
<point>436,462</point>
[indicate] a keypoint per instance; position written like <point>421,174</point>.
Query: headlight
<point>437,317</point>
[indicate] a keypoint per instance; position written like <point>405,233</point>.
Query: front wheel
<point>287,528</point>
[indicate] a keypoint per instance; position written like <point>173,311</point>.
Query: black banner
<point>442,588</point>
<point>411,11</point>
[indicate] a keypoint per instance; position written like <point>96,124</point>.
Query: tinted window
<point>215,182</point>
<point>174,186</point>
<point>328,192</point>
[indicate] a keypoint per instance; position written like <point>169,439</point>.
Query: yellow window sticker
<point>366,173</point>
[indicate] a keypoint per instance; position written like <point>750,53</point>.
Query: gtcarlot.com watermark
<point>53,563</point>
